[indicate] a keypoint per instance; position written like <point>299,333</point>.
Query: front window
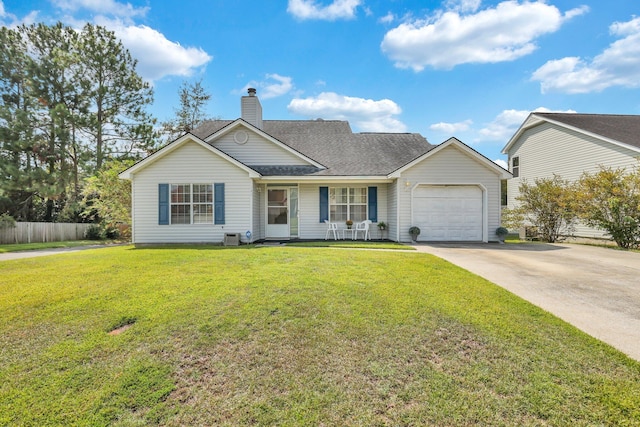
<point>347,203</point>
<point>191,204</point>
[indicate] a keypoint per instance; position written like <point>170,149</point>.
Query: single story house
<point>568,145</point>
<point>282,179</point>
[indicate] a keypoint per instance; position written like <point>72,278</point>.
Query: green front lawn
<point>290,336</point>
<point>352,244</point>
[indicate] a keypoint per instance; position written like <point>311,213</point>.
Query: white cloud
<point>387,19</point>
<point>11,21</point>
<point>507,123</point>
<point>338,9</point>
<point>504,33</point>
<point>464,5</point>
<point>503,164</point>
<point>157,56</point>
<point>367,115</point>
<point>104,7</point>
<point>275,85</point>
<point>617,65</point>
<point>451,128</point>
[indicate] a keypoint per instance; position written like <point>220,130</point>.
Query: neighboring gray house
<point>280,179</point>
<point>569,144</point>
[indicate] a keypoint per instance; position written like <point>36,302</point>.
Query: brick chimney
<point>250,108</point>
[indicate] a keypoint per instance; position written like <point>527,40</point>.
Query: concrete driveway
<point>595,289</point>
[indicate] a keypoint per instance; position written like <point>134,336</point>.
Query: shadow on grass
<point>302,244</point>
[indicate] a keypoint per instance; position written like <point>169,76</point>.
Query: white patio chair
<point>363,227</point>
<point>332,228</point>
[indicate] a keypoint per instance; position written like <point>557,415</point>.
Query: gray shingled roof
<point>621,128</point>
<point>333,144</point>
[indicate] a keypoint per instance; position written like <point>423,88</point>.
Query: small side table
<point>348,230</point>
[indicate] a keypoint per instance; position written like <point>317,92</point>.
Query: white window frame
<point>190,202</point>
<point>515,166</point>
<point>350,203</point>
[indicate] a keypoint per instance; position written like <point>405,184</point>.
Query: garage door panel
<point>448,213</point>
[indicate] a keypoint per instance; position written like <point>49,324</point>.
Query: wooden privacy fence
<point>34,232</point>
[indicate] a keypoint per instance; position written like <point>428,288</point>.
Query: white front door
<point>278,213</point>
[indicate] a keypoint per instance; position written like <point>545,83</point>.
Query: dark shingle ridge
<point>285,170</point>
<point>623,128</point>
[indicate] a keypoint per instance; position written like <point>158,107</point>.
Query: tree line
<point>72,105</point>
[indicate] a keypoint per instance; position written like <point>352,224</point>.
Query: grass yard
<point>352,244</point>
<point>290,336</point>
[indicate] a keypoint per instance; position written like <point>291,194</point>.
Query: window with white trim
<point>347,203</point>
<point>191,204</point>
<point>515,167</point>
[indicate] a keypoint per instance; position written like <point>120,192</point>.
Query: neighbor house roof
<point>622,129</point>
<point>333,144</point>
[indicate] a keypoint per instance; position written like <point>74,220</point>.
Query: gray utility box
<point>231,239</point>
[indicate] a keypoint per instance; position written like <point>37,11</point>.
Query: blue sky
<point>466,68</point>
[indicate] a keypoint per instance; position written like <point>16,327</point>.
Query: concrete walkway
<point>7,256</point>
<point>595,289</point>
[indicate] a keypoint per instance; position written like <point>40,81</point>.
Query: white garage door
<point>448,213</point>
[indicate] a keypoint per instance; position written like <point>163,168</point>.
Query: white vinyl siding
<point>310,226</point>
<point>547,149</point>
<point>190,163</point>
<point>391,218</point>
<point>258,220</point>
<point>450,166</point>
<point>257,150</point>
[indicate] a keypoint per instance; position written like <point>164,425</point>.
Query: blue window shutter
<point>163,204</point>
<point>218,202</point>
<point>324,204</point>
<point>373,204</point>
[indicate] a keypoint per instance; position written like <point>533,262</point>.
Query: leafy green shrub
<point>112,233</point>
<point>95,232</point>
<point>610,201</point>
<point>549,205</point>
<point>7,221</point>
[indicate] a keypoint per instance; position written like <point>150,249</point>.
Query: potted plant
<point>415,232</point>
<point>349,224</point>
<point>501,232</point>
<point>382,225</point>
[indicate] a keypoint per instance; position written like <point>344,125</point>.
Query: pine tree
<point>191,113</point>
<point>119,124</point>
<point>16,133</point>
<point>69,101</point>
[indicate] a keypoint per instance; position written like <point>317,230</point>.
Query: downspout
<point>398,210</point>
<point>133,209</point>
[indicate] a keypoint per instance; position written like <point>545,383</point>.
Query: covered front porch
<point>311,211</point>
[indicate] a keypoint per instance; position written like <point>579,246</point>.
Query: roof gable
<point>464,148</point>
<point>256,147</point>
<point>622,130</point>
<point>171,147</point>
